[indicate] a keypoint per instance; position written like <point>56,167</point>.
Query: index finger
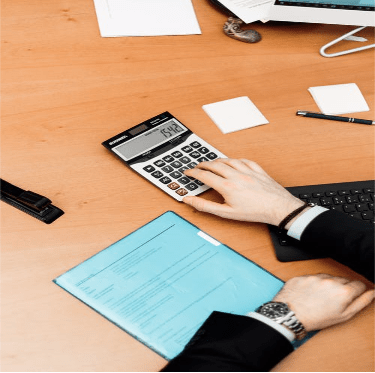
<point>207,177</point>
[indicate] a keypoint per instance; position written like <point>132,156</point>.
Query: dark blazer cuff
<point>227,342</point>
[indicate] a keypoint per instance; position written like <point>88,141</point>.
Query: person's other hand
<point>249,193</point>
<point>320,301</point>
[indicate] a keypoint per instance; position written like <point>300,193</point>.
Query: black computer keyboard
<point>353,198</point>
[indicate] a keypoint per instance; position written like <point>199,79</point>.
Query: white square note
<point>339,98</point>
<point>235,114</point>
<point>146,17</point>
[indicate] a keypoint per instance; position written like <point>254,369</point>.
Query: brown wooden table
<point>65,90</point>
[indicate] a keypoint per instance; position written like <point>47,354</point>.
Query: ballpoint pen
<point>333,117</point>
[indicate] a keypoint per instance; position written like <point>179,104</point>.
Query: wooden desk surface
<point>65,90</point>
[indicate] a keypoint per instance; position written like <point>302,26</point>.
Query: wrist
<point>285,208</point>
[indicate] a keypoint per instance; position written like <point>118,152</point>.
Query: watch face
<point>274,310</point>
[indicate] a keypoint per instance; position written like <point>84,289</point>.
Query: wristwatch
<point>283,315</point>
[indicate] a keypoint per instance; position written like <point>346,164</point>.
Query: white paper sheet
<point>146,17</point>
<point>339,99</point>
<point>235,114</point>
<point>249,10</point>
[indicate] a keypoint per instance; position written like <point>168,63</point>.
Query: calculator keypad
<point>167,170</point>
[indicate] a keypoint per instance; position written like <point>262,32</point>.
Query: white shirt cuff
<point>303,221</point>
<point>288,334</point>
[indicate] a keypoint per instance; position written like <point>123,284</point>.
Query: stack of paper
<point>146,17</point>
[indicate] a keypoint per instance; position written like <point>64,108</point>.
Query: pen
<point>333,117</point>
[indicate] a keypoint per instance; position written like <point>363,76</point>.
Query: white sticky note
<point>235,114</point>
<point>339,98</point>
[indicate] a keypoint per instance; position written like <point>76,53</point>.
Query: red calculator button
<point>173,186</point>
<point>182,192</point>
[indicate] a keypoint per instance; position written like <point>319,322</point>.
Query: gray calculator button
<point>185,160</point>
<point>182,169</point>
<point>168,158</point>
<point>195,154</point>
<point>149,168</point>
<point>191,186</point>
<point>187,149</point>
<point>165,180</point>
<point>211,156</point>
<point>184,180</point>
<point>192,164</point>
<point>177,154</point>
<point>157,174</point>
<point>175,174</point>
<point>159,163</point>
<point>203,150</point>
<point>202,159</point>
<point>176,164</point>
<point>167,168</point>
<point>195,144</point>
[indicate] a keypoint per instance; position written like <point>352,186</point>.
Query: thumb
<point>359,304</point>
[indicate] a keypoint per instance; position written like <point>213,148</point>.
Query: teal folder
<point>161,282</point>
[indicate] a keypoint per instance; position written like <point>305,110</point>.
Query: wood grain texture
<point>65,90</point>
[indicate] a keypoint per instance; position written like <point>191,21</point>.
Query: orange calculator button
<point>182,192</point>
<point>173,186</point>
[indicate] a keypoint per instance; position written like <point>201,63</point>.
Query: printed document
<point>161,282</point>
<point>249,10</point>
<point>146,17</point>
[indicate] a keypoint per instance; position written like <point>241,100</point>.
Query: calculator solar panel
<point>355,199</point>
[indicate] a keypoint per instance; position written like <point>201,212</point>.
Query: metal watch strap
<point>29,202</point>
<point>292,323</point>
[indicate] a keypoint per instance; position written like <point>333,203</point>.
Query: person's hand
<point>320,301</point>
<point>250,194</point>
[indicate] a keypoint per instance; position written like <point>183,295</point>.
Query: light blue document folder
<point>161,282</point>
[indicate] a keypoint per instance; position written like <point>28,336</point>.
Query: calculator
<point>161,149</point>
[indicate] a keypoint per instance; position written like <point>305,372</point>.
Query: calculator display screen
<point>149,139</point>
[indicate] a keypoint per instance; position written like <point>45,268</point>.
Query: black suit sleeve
<point>347,240</point>
<point>231,343</point>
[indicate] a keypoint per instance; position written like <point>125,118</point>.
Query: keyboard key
<point>356,215</point>
<point>157,174</point>
<point>367,215</point>
<point>368,190</point>
<point>175,174</point>
<point>326,201</point>
<point>305,195</point>
<point>318,194</point>
<point>203,150</point>
<point>371,206</point>
<point>165,180</point>
<point>195,144</point>
<point>182,192</point>
<point>343,192</point>
<point>364,198</point>
<point>173,186</point>
<point>185,160</point>
<point>168,158</point>
<point>184,180</point>
<point>192,164</point>
<point>187,149</point>
<point>356,191</point>
<point>211,156</point>
<point>149,168</point>
<point>177,154</point>
<point>336,207</point>
<point>159,163</point>
<point>330,194</point>
<point>167,169</point>
<point>176,164</point>
<point>361,207</point>
<point>339,200</point>
<point>352,199</point>
<point>195,154</point>
<point>349,208</point>
<point>202,159</point>
<point>191,186</point>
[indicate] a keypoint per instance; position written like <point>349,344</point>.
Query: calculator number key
<point>167,169</point>
<point>157,174</point>
<point>202,159</point>
<point>184,180</point>
<point>191,186</point>
<point>176,164</point>
<point>149,168</point>
<point>175,174</point>
<point>192,164</point>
